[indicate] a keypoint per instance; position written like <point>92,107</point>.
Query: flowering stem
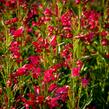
<point>7,64</point>
<point>79,17</point>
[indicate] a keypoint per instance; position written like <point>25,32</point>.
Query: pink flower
<point>75,72</point>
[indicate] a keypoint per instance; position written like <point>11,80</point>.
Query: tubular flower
<point>75,72</point>
<point>18,32</point>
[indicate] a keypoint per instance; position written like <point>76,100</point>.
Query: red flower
<point>107,55</point>
<point>50,29</point>
<point>8,83</point>
<point>79,64</point>
<point>104,42</point>
<point>26,106</point>
<point>66,54</point>
<point>47,12</point>
<point>56,67</point>
<point>66,18</point>
<point>15,19</point>
<point>18,32</point>
<point>90,19</point>
<point>62,90</point>
<point>37,90</point>
<point>40,99</point>
<point>31,96</point>
<point>52,87</point>
<point>36,72</point>
<point>14,48</point>
<point>40,21</point>
<point>104,33</point>
<point>69,35</point>
<point>89,37</point>
<point>34,60</point>
<point>40,44</point>
<point>84,82</point>
<point>1,90</point>
<point>53,41</point>
<point>21,71</point>
<point>77,1</point>
<point>48,75</point>
<point>75,72</point>
<point>62,93</point>
<point>53,102</point>
<point>10,21</point>
<point>30,102</point>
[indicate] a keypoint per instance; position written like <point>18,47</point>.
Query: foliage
<point>54,54</point>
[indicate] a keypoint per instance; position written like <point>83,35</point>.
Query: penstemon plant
<point>54,54</point>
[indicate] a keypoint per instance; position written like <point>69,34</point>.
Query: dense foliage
<point>54,54</point>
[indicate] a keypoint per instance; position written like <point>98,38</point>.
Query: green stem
<point>73,89</point>
<point>79,95</point>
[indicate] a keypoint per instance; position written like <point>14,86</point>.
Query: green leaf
<point>87,102</point>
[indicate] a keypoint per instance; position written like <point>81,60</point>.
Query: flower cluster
<point>14,48</point>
